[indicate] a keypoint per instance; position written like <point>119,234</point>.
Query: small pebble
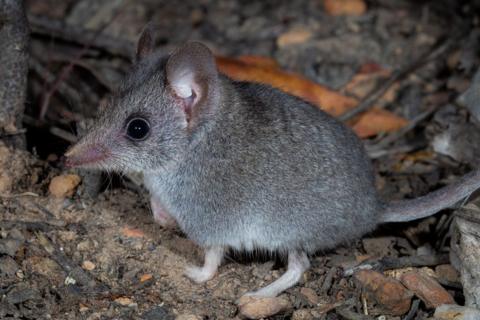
<point>257,308</point>
<point>456,312</point>
<point>188,317</point>
<point>302,314</point>
<point>310,295</point>
<point>9,246</point>
<point>447,272</point>
<point>124,301</point>
<point>88,265</point>
<point>64,185</point>
<point>69,280</point>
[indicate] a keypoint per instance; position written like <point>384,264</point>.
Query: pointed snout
<point>84,154</point>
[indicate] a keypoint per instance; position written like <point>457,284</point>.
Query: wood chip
<point>427,289</point>
<point>389,293</point>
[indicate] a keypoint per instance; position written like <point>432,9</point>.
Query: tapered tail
<point>431,203</point>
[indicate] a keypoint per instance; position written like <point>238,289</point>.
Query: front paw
<point>164,220</point>
<point>160,215</point>
<point>198,275</point>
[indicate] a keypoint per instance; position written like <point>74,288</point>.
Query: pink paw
<point>160,215</point>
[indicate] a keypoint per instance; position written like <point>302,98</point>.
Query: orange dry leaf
<point>132,232</point>
<point>345,7</point>
<point>259,61</point>
<point>294,37</point>
<point>145,277</point>
<point>368,124</point>
<point>330,101</point>
<point>376,121</point>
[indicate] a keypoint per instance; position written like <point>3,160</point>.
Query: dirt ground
<point>102,256</point>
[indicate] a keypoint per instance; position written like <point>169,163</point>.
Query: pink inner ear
<point>188,104</point>
<point>187,92</point>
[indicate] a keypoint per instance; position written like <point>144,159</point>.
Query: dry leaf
<point>294,36</point>
<point>368,124</point>
<point>376,121</point>
<point>389,293</point>
<point>132,232</point>
<point>145,277</point>
<point>259,61</point>
<point>427,289</point>
<point>366,80</point>
<point>124,301</point>
<point>330,101</point>
<point>345,7</point>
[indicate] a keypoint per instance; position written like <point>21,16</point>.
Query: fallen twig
<point>28,225</point>
<point>59,29</point>
<point>68,68</point>
<point>75,272</point>
<point>350,315</point>
<point>413,310</point>
<point>389,263</point>
<point>63,88</point>
<point>378,92</point>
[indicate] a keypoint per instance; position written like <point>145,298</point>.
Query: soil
<point>104,257</point>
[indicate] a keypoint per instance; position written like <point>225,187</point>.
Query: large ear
<point>192,77</point>
<point>146,42</point>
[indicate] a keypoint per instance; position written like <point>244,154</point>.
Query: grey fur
<point>257,169</point>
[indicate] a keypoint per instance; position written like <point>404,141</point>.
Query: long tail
<point>431,203</point>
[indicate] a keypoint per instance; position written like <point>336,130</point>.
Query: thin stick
<point>390,263</point>
<point>378,92</point>
<point>68,68</point>
<point>58,29</point>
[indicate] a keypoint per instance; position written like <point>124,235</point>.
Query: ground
<point>101,256</point>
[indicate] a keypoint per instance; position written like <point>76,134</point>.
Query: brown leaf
<point>345,7</point>
<point>376,121</point>
<point>389,293</point>
<point>366,80</point>
<point>132,232</point>
<point>256,69</point>
<point>145,277</point>
<point>329,100</point>
<point>259,61</point>
<point>427,289</point>
<point>294,37</point>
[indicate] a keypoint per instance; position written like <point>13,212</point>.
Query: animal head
<point>151,118</point>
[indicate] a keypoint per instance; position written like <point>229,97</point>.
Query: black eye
<point>138,129</point>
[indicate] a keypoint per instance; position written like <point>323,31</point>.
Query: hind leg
<point>213,259</point>
<point>298,263</point>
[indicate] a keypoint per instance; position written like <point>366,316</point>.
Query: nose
<point>84,154</point>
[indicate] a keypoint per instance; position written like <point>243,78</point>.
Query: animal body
<point>242,165</point>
